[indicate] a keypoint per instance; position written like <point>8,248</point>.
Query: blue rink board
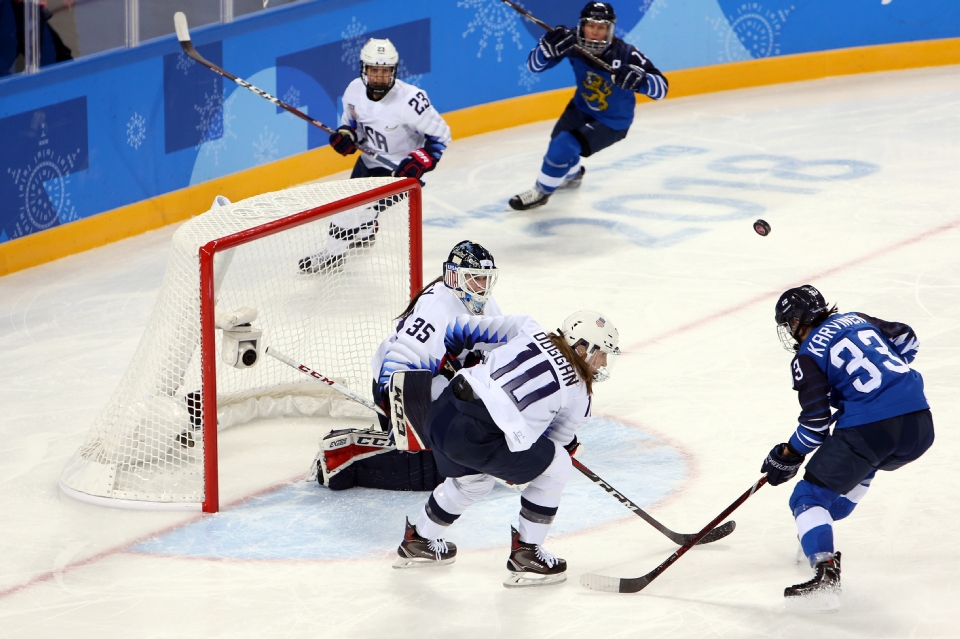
<point>307,521</point>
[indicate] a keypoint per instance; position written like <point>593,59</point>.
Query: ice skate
<point>532,565</point>
<point>822,593</point>
<point>574,182</point>
<point>529,199</point>
<point>418,552</point>
<point>333,258</point>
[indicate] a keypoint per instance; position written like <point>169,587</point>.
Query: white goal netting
<point>330,312</point>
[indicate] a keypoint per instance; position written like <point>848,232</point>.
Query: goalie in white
<point>469,275</point>
<point>393,117</point>
<point>514,417</point>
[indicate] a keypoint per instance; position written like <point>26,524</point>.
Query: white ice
<point>859,178</point>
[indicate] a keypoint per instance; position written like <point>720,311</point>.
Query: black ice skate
<point>418,552</point>
<point>822,593</point>
<point>532,565</point>
<point>529,199</point>
<point>574,182</point>
<point>362,237</point>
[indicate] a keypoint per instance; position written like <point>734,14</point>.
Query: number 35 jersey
<point>859,365</point>
<point>402,122</point>
<point>527,385</point>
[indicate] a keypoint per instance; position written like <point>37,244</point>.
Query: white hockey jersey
<point>527,385</point>
<point>417,343</point>
<point>403,121</point>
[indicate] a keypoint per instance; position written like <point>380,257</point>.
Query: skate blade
<point>816,602</point>
<point>403,563</point>
<point>529,580</point>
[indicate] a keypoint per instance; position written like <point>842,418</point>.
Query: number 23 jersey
<point>402,122</point>
<point>859,365</point>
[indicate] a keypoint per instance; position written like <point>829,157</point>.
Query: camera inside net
<point>241,346</point>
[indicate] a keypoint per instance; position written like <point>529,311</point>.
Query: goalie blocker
<point>372,458</point>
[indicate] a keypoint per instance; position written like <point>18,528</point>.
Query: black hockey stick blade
<point>678,538</point>
<point>636,584</point>
<point>183,35</point>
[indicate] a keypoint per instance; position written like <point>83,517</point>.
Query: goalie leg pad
<point>365,458</point>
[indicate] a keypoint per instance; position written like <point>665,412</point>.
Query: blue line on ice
<point>307,521</point>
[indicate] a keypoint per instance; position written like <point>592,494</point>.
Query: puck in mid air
<point>761,227</point>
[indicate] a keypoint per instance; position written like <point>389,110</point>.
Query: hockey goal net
<point>152,445</point>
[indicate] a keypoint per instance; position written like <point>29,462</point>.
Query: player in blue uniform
<point>601,111</point>
<point>859,365</point>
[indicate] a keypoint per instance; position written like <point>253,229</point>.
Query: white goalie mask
<point>599,339</point>
<point>382,56</point>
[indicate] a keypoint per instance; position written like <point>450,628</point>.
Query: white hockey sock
<point>428,528</point>
<point>532,533</point>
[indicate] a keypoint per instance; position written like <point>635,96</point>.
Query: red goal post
<point>333,320</point>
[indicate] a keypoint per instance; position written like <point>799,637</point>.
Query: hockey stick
<point>636,584</point>
<point>340,388</point>
<point>678,538</point>
<point>540,23</point>
<point>183,35</point>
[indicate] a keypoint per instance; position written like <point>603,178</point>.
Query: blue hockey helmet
<point>471,273</point>
<point>597,12</point>
<point>799,308</point>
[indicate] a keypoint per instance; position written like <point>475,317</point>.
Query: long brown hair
<point>578,363</point>
<point>409,309</point>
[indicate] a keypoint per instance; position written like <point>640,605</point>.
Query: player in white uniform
<point>513,417</point>
<point>397,120</point>
<point>469,275</point>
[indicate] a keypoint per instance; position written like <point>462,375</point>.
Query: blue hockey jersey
<point>859,365</point>
<point>597,95</point>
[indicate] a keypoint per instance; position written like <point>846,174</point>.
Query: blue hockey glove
<point>415,164</point>
<point>344,141</point>
<point>629,77</point>
<point>557,43</point>
<point>782,464</point>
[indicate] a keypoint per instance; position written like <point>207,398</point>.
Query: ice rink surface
<point>859,178</point>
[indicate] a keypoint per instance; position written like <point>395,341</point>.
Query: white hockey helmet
<point>378,53</point>
<point>471,272</point>
<point>599,338</point>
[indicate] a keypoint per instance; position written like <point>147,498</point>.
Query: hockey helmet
<point>378,53</point>
<point>471,273</point>
<point>796,309</point>
<point>598,336</point>
<point>600,13</point>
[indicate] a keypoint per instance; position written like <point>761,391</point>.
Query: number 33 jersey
<point>403,121</point>
<point>860,365</point>
<point>527,385</point>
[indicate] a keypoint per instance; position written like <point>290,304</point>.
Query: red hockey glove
<point>415,164</point>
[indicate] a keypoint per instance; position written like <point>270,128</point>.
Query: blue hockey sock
<point>562,156</point>
<point>810,505</point>
<point>845,504</point>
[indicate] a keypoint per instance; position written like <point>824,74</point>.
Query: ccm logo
<point>398,411</point>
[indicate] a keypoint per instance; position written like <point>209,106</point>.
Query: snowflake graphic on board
<point>754,28</point>
<point>292,96</point>
<point>527,79</point>
<point>136,130</point>
<point>266,149</point>
<point>184,62</point>
<point>495,20</point>
<point>353,41</point>
<point>215,119</point>
<point>403,73</point>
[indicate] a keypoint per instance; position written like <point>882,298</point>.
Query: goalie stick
<point>678,538</point>
<point>340,388</point>
<point>636,584</point>
<point>540,23</point>
<point>183,35</point>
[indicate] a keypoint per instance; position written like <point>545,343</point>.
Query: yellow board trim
<point>176,206</point>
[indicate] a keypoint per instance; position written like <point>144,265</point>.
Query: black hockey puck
<point>761,227</point>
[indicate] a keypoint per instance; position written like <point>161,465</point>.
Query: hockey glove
<point>557,43</point>
<point>629,77</point>
<point>415,164</point>
<point>449,366</point>
<point>344,141</point>
<point>782,464</point>
<point>573,446</point>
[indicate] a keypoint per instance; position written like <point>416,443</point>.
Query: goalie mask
<point>471,273</point>
<point>796,309</point>
<point>378,67</point>
<point>592,16</point>
<point>599,339</point>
